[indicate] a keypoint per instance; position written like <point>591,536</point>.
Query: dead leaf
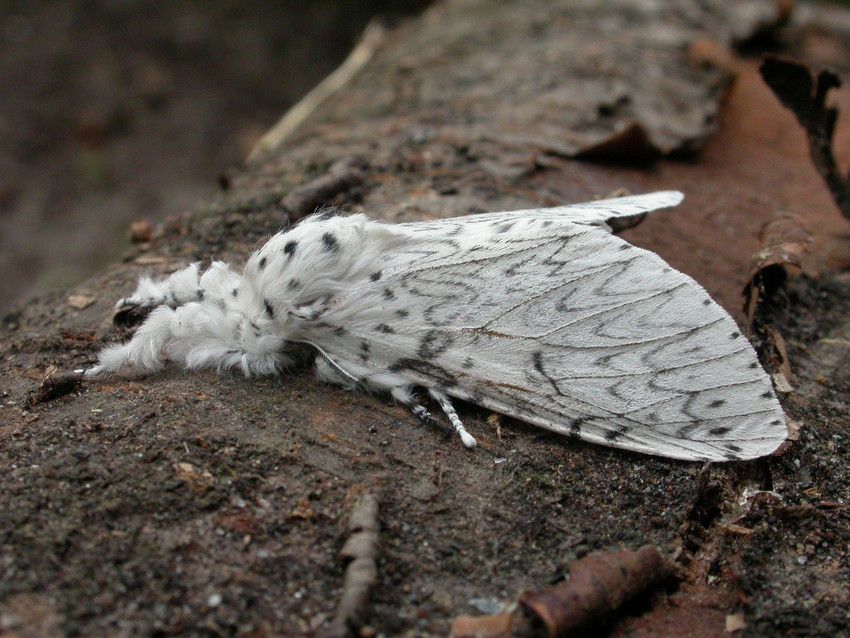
<point>81,301</point>
<point>735,622</point>
<point>498,626</point>
<point>784,243</point>
<point>794,427</point>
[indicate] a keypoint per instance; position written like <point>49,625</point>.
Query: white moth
<point>540,314</point>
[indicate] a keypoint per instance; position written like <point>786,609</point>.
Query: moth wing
<point>569,328</point>
<point>596,213</point>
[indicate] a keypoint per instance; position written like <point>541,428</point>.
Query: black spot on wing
<point>262,263</point>
<point>388,293</point>
<point>719,431</point>
<point>235,293</point>
<point>330,243</point>
<point>269,309</point>
<point>293,284</point>
<point>375,276</point>
<point>433,344</point>
<point>289,248</point>
<point>386,329</point>
<point>401,313</point>
<point>716,403</point>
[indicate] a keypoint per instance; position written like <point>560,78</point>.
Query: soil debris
<point>805,95</point>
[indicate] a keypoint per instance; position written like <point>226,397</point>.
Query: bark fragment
<point>341,177</point>
<point>55,384</point>
<point>598,587</point>
<point>784,244</point>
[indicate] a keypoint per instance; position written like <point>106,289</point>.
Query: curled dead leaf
<point>785,241</point>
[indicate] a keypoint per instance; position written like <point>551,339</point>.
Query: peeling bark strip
<point>805,96</point>
<point>362,572</point>
<point>591,598</point>
<point>598,586</point>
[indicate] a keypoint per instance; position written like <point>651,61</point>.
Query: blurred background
<point>118,110</point>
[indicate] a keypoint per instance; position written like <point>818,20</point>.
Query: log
<point>473,106</point>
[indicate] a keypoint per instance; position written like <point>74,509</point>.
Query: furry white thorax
<point>221,319</point>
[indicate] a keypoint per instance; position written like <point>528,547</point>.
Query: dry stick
<point>371,39</point>
<point>362,572</point>
<point>805,95</point>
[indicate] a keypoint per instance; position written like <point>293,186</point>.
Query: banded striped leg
<point>445,403</point>
<point>421,413</point>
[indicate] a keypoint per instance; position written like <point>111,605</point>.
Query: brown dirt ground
<point>103,533</point>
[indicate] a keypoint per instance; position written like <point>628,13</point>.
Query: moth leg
<point>421,412</point>
<point>445,403</point>
<point>175,290</point>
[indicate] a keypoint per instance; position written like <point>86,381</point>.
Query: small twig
<point>371,39</point>
<point>805,95</point>
<point>362,572</point>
